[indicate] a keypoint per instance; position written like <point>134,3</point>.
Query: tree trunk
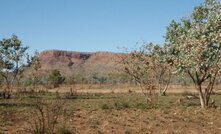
<point>202,101</point>
<point>4,95</point>
<point>165,89</point>
<point>204,95</point>
<point>163,93</point>
<point>201,95</point>
<point>148,100</point>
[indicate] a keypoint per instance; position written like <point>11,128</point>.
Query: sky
<point>90,25</point>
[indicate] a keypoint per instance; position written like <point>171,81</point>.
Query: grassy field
<point>112,113</point>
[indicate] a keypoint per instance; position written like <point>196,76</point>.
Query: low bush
<point>105,106</point>
<point>46,115</point>
<point>64,130</point>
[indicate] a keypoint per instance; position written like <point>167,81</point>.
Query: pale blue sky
<point>89,25</point>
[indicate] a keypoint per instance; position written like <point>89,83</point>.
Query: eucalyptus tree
<point>148,66</point>
<point>137,66</point>
<point>12,60</point>
<point>34,67</point>
<point>195,47</point>
<point>162,70</point>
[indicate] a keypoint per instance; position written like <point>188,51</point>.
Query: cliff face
<point>69,62</point>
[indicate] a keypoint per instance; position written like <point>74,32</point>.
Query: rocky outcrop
<point>69,62</point>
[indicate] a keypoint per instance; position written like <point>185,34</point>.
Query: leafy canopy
<point>195,42</point>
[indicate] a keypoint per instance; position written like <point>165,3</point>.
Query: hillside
<point>69,62</point>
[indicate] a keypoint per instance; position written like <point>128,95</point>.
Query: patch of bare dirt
<point>153,121</point>
<point>131,121</point>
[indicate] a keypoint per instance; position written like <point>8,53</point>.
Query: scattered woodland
<point>158,88</point>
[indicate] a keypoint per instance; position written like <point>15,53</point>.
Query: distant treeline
<point>55,78</point>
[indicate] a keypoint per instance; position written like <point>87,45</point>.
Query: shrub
<point>127,132</point>
<point>46,115</point>
<point>121,105</point>
<point>125,105</point>
<point>141,105</point>
<point>130,91</point>
<point>104,106</point>
<point>55,78</point>
<point>64,130</point>
<point>117,105</point>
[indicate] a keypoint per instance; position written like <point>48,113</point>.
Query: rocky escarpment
<point>69,62</point>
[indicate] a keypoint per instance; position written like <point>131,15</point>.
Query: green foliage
<point>121,105</point>
<point>12,61</point>
<point>99,78</point>
<point>125,105</point>
<point>34,67</point>
<point>45,80</point>
<point>195,41</point>
<point>55,78</point>
<point>127,132</point>
<point>27,82</point>
<point>76,78</point>
<point>195,46</point>
<point>64,130</point>
<point>111,78</point>
<point>130,91</point>
<point>119,78</point>
<point>141,105</point>
<point>105,106</point>
<point>150,69</point>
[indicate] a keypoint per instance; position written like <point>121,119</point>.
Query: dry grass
<point>121,88</point>
<point>125,113</point>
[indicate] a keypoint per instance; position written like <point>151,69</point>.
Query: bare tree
<point>46,115</point>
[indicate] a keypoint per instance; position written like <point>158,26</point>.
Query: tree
<point>99,78</point>
<point>161,69</point>
<point>195,47</point>
<point>12,61</point>
<point>55,78</point>
<point>34,66</point>
<point>149,69</point>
